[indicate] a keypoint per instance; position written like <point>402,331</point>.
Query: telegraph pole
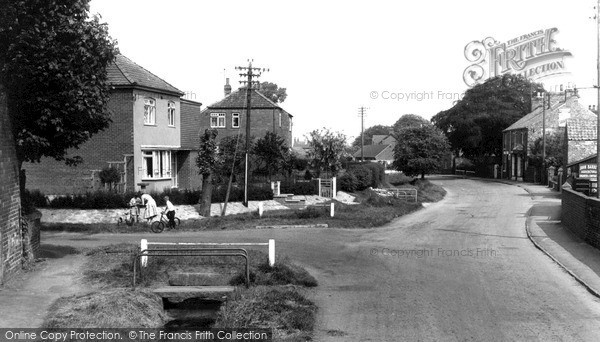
<point>362,112</point>
<point>249,72</point>
<point>597,17</point>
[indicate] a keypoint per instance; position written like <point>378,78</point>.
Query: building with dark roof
<point>228,116</point>
<point>383,153</point>
<point>152,140</point>
<point>562,110</point>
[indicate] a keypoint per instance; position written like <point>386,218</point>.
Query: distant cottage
<point>564,115</point>
<point>228,116</point>
<point>152,141</point>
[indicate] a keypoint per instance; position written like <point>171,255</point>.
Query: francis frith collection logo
<point>533,55</point>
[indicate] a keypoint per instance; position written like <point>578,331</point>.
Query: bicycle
<point>159,225</point>
<point>128,217</point>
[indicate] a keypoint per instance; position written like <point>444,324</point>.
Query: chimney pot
<point>227,87</point>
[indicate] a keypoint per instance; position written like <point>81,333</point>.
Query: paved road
<point>460,270</point>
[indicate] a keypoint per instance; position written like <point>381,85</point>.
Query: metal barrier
<point>211,252</point>
<point>405,194</point>
<point>144,244</point>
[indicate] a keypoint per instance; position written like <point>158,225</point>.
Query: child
<point>170,210</point>
<point>134,209</point>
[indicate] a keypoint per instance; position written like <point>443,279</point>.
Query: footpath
<point>545,230</point>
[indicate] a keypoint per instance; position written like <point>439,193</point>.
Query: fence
<point>405,194</point>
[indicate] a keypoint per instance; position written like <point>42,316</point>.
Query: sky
<point>392,57</point>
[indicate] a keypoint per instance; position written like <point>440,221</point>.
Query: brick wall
<point>10,202</point>
<point>55,178</point>
<point>581,215</point>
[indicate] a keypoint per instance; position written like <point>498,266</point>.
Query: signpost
<point>590,173</point>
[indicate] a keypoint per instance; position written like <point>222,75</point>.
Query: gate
<point>327,187</point>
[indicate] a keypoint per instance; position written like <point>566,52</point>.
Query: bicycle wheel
<point>177,221</point>
<point>157,227</point>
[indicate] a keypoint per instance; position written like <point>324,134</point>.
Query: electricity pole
<point>597,17</point>
<point>362,112</point>
<point>249,72</point>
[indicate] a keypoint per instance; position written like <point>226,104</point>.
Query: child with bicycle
<point>170,211</point>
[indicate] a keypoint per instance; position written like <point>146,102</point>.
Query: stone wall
<point>11,246</point>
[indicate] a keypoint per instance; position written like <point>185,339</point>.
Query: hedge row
<point>360,176</point>
<point>111,200</point>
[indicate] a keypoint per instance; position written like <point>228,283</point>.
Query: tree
<point>370,132</point>
<point>474,124</point>
<point>207,162</point>
<point>53,60</point>
<point>555,150</point>
<point>271,153</point>
<point>409,120</point>
<point>231,155</point>
<point>326,149</point>
<point>420,150</point>
<point>273,92</point>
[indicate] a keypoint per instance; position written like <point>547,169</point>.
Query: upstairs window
<point>171,114</point>
<point>149,112</point>
<point>217,120</point>
<point>279,119</point>
<point>235,120</point>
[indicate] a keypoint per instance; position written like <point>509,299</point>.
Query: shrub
<point>398,178</point>
<point>110,175</point>
<point>33,199</point>
<point>299,187</point>
<point>377,174</point>
<point>363,177</point>
<point>347,182</point>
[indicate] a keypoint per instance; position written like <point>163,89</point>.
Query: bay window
<point>156,164</point>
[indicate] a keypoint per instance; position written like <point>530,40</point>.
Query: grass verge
<point>114,308</point>
<point>284,309</point>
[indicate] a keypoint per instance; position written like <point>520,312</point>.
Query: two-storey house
<point>151,140</point>
<point>518,138</point>
<point>228,115</point>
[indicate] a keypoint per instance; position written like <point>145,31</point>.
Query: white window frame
<point>149,111</point>
<point>217,120</point>
<point>291,122</point>
<point>235,116</point>
<point>279,119</point>
<point>171,114</point>
<point>161,161</point>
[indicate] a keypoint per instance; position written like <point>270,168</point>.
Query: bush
<point>398,178</point>
<point>363,177</point>
<point>310,212</point>
<point>110,175</point>
<point>256,192</point>
<point>347,182</point>
<point>377,173</point>
<point>33,199</point>
<point>299,188</point>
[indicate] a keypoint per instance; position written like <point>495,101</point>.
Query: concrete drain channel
<point>193,307</point>
<point>191,314</point>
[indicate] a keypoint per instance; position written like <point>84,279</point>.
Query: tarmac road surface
<point>462,269</point>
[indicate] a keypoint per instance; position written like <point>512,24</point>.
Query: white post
<point>332,211</point>
<point>143,247</point>
<point>319,187</point>
<point>260,209</point>
<point>278,188</point>
<point>334,194</point>
<point>271,252</point>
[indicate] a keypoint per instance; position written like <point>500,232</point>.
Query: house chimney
<point>227,87</point>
